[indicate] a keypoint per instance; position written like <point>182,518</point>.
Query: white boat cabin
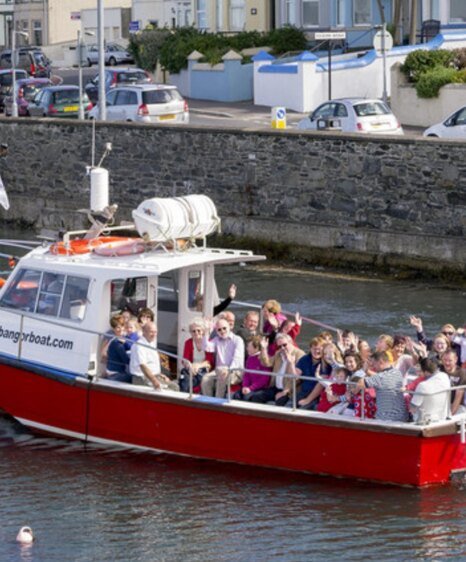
<point>56,305</point>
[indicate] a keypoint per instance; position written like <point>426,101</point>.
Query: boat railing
<point>294,377</point>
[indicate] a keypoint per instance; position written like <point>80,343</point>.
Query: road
<point>241,115</point>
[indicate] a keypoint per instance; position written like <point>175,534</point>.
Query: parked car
<point>30,59</point>
<point>113,78</point>
<point>6,80</point>
<point>454,126</point>
<point>58,101</point>
<point>114,54</point>
<point>354,115</point>
<point>145,103</point>
<point>26,89</point>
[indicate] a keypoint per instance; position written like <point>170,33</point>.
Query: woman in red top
<point>196,361</point>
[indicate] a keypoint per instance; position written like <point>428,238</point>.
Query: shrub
<point>420,61</point>
<point>429,83</point>
<point>172,48</point>
<point>459,58</point>
<point>287,38</point>
<point>145,46</point>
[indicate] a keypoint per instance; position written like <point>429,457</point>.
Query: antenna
<point>93,144</point>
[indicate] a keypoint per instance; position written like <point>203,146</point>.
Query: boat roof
<point>155,262</point>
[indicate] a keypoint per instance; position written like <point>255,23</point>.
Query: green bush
<point>429,83</point>
<point>145,46</point>
<point>172,47</point>
<point>421,61</point>
<point>288,38</point>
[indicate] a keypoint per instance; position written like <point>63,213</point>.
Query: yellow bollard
<point>278,118</point>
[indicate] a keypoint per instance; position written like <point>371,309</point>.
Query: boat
<point>50,365</point>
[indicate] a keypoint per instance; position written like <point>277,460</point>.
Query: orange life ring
<point>2,281</point>
<point>121,247</point>
<point>82,246</point>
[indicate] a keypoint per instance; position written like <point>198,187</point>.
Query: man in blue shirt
<point>312,365</point>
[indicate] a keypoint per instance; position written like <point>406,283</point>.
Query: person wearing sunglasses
<point>196,360</point>
<point>228,349</point>
<point>283,363</point>
<point>448,330</point>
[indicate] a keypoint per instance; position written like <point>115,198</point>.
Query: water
<point>95,503</point>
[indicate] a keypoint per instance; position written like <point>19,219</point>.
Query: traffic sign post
<point>330,36</point>
<point>383,42</point>
<point>278,118</point>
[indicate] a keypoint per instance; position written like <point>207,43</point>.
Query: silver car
<point>353,115</point>
<point>145,103</point>
<point>114,54</point>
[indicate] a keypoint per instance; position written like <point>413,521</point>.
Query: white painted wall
<point>419,112</point>
<point>308,88</point>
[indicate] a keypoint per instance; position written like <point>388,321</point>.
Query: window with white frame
<point>457,11</point>
<point>201,14</point>
<point>434,10</point>
<point>219,15</point>
<point>310,13</point>
<point>37,31</point>
<point>290,12</point>
<point>362,12</point>
<point>237,15</point>
<point>340,12</point>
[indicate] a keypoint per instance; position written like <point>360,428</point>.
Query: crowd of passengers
<point>399,379</point>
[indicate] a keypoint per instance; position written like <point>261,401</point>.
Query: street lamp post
<point>79,49</point>
<point>100,40</point>
<point>14,104</point>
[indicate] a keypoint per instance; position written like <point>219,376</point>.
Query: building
<point>211,15</point>
<point>55,21</point>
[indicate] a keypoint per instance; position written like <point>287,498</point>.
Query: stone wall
<point>369,196</point>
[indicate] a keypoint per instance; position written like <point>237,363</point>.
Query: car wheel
<point>89,62</point>
<point>112,61</point>
<point>433,136</point>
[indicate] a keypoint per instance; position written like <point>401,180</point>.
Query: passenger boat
<point>50,360</point>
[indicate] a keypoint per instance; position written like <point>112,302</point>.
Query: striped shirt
<point>388,384</point>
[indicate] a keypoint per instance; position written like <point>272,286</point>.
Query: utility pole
<point>101,41</point>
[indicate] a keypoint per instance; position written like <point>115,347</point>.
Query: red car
<point>26,88</point>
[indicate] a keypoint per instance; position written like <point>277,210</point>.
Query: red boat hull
<point>261,435</point>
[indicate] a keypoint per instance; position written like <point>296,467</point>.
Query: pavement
<point>242,110</point>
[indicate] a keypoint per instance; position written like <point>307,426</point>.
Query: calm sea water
<point>94,503</point>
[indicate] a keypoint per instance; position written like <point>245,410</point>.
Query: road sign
<point>133,26</point>
<point>330,35</point>
<point>379,41</point>
<point>278,118</point>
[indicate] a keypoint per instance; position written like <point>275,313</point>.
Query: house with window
<point>356,17</point>
<point>55,21</point>
<point>211,15</point>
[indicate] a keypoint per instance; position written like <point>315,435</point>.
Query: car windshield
<point>368,109</point>
<point>160,96</point>
<point>66,96</point>
<point>136,76</point>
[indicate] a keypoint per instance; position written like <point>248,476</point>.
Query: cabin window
<point>195,290</point>
<point>74,300</point>
<point>22,293</point>
<point>51,290</point>
<point>129,294</point>
<point>167,292</point>
<point>51,294</point>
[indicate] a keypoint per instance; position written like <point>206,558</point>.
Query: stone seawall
<point>384,197</point>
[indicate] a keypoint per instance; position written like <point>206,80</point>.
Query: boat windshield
<point>48,293</point>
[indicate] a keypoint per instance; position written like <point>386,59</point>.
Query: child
<point>355,401</point>
<point>335,393</point>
